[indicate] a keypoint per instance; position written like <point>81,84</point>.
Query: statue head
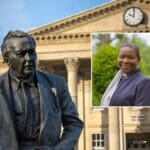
<point>18,51</point>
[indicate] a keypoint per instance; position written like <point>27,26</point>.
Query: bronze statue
<point>37,103</point>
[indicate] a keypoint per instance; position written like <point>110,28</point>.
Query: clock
<point>133,16</point>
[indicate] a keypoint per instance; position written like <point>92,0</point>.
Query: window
<point>98,142</point>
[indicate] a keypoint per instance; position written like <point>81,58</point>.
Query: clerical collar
<point>31,81</point>
<point>125,76</point>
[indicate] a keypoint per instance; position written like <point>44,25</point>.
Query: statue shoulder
<point>54,78</point>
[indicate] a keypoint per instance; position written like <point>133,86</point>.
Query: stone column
<point>72,65</point>
<point>114,137</point>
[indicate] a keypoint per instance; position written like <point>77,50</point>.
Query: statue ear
<point>6,59</point>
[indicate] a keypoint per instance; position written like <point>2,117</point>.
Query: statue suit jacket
<point>7,133</point>
<point>56,107</point>
<point>132,91</point>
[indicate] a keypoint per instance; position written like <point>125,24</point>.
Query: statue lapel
<point>47,99</point>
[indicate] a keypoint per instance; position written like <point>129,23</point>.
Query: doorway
<point>138,141</point>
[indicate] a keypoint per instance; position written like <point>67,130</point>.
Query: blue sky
<point>29,14</point>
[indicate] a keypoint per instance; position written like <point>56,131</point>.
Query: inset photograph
<point>120,69</point>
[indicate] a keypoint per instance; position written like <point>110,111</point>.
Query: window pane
<point>98,142</point>
<point>93,143</point>
<point>93,136</point>
<point>102,143</point>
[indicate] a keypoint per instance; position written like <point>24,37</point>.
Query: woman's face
<point>127,59</point>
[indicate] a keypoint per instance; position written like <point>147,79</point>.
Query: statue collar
<point>31,81</point>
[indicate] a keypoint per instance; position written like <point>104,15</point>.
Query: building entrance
<point>138,141</point>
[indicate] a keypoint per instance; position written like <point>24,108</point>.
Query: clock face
<point>133,16</point>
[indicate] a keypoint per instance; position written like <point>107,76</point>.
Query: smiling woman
<point>129,87</point>
<point>128,58</point>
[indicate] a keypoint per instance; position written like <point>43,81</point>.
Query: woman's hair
<point>14,34</point>
<point>134,47</point>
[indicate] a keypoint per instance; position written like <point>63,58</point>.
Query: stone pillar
<point>114,142</point>
<point>72,65</point>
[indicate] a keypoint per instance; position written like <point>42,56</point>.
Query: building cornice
<point>87,16</point>
<point>61,38</point>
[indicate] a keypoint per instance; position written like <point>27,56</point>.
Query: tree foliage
<point>104,67</point>
<point>144,53</point>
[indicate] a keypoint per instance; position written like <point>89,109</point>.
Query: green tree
<point>104,67</point>
<point>144,53</point>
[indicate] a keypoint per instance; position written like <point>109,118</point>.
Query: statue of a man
<point>38,103</point>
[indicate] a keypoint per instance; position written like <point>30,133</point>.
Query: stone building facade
<point>64,47</point>
<point>118,128</point>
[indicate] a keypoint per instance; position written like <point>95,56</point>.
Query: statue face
<point>21,56</point>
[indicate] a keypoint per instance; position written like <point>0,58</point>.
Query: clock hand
<point>133,12</point>
<point>131,15</point>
